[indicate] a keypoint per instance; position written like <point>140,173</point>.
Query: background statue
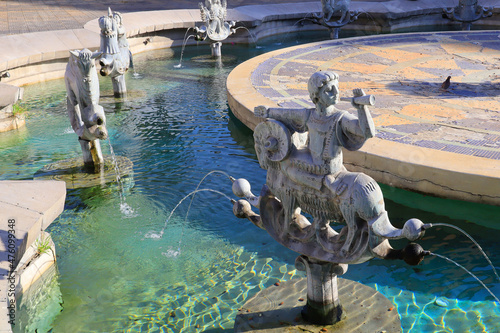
<point>213,13</point>
<point>116,56</point>
<point>330,7</point>
<point>85,114</point>
<point>467,12</point>
<point>330,10</point>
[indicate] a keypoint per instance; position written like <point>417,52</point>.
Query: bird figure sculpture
<point>446,84</point>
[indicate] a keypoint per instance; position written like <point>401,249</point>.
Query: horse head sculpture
<point>86,115</point>
<point>301,149</point>
<point>116,56</point>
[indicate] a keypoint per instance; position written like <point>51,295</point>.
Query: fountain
<point>88,121</point>
<point>114,278</point>
<point>467,11</point>
<point>213,13</point>
<point>336,14</point>
<point>306,172</point>
<point>116,56</point>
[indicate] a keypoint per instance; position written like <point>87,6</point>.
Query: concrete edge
<point>27,208</point>
<point>412,168</point>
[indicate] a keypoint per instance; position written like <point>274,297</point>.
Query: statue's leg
<point>352,227</point>
<point>87,155</point>
<point>92,155</point>
<point>131,61</point>
<point>95,150</point>
<point>119,85</point>
<point>343,15</point>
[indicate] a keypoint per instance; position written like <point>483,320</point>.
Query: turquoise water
<point>116,276</point>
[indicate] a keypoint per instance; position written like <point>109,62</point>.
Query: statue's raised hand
<point>357,92</point>
<point>261,111</point>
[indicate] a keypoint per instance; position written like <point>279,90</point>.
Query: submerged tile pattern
<point>405,73</point>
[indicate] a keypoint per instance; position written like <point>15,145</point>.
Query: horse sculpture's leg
<point>87,154</point>
<point>119,85</point>
<point>92,155</point>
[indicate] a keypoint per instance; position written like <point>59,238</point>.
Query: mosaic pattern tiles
<point>405,73</point>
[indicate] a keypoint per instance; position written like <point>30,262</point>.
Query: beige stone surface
<point>277,309</point>
<point>26,209</point>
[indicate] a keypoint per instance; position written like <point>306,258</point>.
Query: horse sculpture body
<point>86,115</point>
<point>116,56</point>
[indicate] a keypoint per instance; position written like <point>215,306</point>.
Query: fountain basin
<point>115,275</point>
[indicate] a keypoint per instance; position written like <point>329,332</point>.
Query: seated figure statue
<point>302,152</point>
<point>329,129</point>
<point>301,149</point>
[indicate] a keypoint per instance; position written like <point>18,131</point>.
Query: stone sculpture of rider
<point>301,149</point>
<point>116,56</point>
<point>320,161</point>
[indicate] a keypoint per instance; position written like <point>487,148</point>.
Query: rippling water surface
<point>116,275</point>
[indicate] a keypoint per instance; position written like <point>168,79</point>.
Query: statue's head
<point>118,18</point>
<point>324,88</point>
<point>85,60</point>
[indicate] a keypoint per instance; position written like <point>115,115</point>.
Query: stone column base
<point>278,309</point>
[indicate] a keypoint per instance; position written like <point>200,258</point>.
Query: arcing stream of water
<point>473,240</point>
<point>469,272</point>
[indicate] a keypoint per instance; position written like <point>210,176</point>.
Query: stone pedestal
<point>278,308</point>
<point>77,175</point>
<point>323,305</point>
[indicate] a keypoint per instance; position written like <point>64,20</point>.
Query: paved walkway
<point>22,16</point>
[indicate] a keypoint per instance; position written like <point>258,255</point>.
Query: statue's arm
<point>361,127</point>
<point>295,119</point>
